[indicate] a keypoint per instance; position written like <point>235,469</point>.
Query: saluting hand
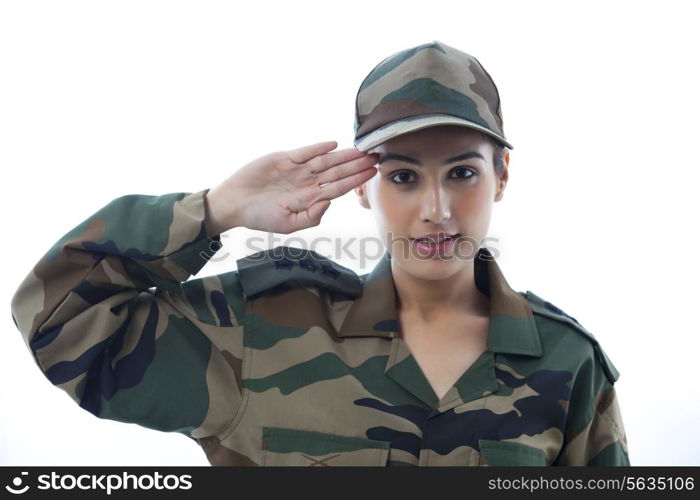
<point>286,191</point>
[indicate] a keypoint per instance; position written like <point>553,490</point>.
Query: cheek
<point>387,203</point>
<point>477,197</point>
<point>474,203</point>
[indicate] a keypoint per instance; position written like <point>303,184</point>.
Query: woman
<point>292,359</point>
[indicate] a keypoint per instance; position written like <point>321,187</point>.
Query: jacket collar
<point>512,327</point>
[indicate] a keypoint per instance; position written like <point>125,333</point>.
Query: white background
<point>600,100</point>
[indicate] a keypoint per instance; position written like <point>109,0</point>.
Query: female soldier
<point>292,359</point>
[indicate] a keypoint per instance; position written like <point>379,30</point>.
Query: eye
<point>469,173</point>
<point>466,174</point>
<point>402,172</point>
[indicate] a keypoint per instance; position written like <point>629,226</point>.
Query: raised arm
<point>108,319</point>
<point>105,318</point>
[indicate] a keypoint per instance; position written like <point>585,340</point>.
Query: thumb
<point>316,211</point>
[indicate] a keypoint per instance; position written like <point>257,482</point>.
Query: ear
<point>361,192</point>
<point>502,179</point>
<point>362,189</point>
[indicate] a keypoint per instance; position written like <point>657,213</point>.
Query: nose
<point>435,205</point>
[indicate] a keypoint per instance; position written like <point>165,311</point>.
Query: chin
<point>432,269</point>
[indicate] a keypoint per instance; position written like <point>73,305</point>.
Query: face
<point>435,180</point>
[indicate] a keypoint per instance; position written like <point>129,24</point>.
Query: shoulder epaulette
<point>295,267</point>
<point>544,308</point>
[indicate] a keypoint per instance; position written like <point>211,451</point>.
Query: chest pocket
<point>295,447</point>
<point>506,453</point>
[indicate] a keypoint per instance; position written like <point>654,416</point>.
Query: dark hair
<point>499,154</point>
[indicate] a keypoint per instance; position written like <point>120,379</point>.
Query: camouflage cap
<point>424,86</point>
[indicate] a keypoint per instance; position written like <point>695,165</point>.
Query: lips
<point>434,246</point>
<point>435,237</point>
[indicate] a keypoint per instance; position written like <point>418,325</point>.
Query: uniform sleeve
<point>594,433</point>
<point>107,319</point>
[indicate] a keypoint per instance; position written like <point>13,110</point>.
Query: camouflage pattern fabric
<point>296,360</point>
<point>423,86</point>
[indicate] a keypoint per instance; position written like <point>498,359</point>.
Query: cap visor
<point>411,124</point>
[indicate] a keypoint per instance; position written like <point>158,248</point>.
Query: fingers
<point>342,186</point>
<point>323,162</point>
<point>347,168</point>
<point>306,153</point>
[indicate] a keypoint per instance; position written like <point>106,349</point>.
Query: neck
<point>431,300</point>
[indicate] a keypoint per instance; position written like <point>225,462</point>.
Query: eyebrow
<point>408,159</point>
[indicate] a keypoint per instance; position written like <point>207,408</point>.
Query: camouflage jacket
<point>293,359</point>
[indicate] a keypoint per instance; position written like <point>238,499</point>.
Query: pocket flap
<point>283,446</point>
<point>507,453</point>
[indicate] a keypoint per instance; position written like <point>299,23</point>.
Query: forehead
<point>438,140</point>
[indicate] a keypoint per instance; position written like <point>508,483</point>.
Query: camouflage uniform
<point>293,359</point>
